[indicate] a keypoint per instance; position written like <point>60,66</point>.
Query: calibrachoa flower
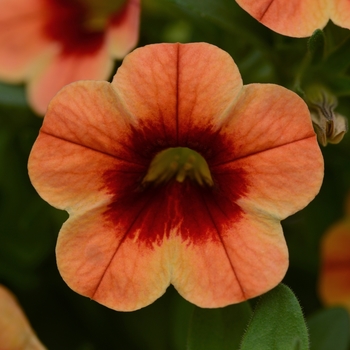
<point>50,43</point>
<point>15,330</point>
<point>175,173</point>
<point>298,18</point>
<point>334,283</point>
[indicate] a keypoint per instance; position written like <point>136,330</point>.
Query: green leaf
<point>316,46</point>
<point>338,60</point>
<point>213,329</point>
<point>277,323</point>
<point>339,85</point>
<point>329,329</point>
<point>229,16</point>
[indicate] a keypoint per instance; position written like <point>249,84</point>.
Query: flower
<point>50,43</point>
<point>334,278</point>
<point>175,173</point>
<point>16,332</point>
<point>298,18</point>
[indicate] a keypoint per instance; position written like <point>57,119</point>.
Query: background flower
<point>125,242</point>
<point>298,18</point>
<point>50,43</point>
<point>15,330</point>
<point>334,281</point>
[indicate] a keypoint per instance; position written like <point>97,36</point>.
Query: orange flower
<point>175,173</point>
<point>15,330</point>
<point>50,43</point>
<point>298,18</point>
<point>334,283</point>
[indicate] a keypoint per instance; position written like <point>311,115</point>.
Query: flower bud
<point>330,126</point>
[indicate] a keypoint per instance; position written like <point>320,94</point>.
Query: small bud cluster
<point>330,126</point>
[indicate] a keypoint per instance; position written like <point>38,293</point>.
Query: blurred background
<point>29,227</point>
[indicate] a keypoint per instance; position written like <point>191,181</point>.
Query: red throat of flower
<point>176,192</point>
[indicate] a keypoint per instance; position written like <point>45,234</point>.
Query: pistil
<point>98,12</point>
<point>178,163</point>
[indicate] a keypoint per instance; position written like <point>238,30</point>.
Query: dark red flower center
<point>198,213</point>
<point>71,24</point>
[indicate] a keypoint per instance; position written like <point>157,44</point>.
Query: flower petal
<point>249,259</point>
<point>18,52</point>
<point>340,13</point>
<point>148,91</point>
<point>123,32</point>
<point>270,136</point>
<point>296,18</point>
<point>65,69</point>
<point>96,259</point>
<point>265,117</point>
<point>334,284</point>
<point>209,84</point>
<point>16,332</point>
<point>174,93</point>
<point>77,143</point>
<point>73,180</point>
<point>279,181</point>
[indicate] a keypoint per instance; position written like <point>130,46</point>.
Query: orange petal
<point>96,259</point>
<point>71,181</point>
<point>77,143</point>
<point>296,18</point>
<point>279,181</point>
<point>148,90</point>
<point>266,116</point>
<point>270,136</point>
<point>123,32</point>
<point>204,94</point>
<point>19,52</point>
<point>340,13</point>
<point>249,258</point>
<point>334,283</point>
<point>65,69</point>
<point>176,91</point>
<point>15,330</point>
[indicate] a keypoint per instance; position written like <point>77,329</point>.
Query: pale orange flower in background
<point>15,330</point>
<point>50,43</point>
<point>298,18</point>
<point>334,281</point>
<point>175,173</point>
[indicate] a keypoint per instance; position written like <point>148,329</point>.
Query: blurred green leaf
<point>338,60</point>
<point>329,330</point>
<point>212,329</point>
<point>277,323</point>
<point>229,16</point>
<point>339,85</point>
